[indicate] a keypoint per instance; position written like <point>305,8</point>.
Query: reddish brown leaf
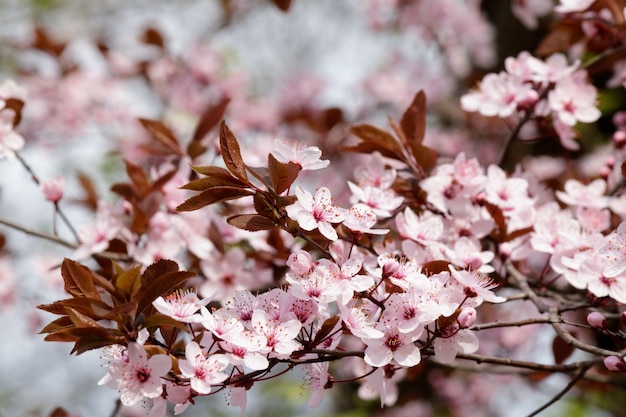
<point>212,196</point>
<point>561,349</point>
<point>413,121</point>
<point>59,412</point>
<point>562,35</point>
<point>435,267</point>
<point>152,36</point>
<point>162,286</point>
<point>206,183</point>
<point>252,222</point>
<point>91,196</point>
<point>81,320</point>
<point>162,134</point>
<point>158,320</point>
<point>209,119</point>
<point>157,269</point>
<point>327,327</point>
<point>424,156</point>
<point>282,4</point>
<point>379,140</point>
<point>93,341</point>
<point>138,177</point>
<point>160,182</point>
<point>282,175</point>
<point>231,153</point>
<point>56,325</point>
<point>16,105</point>
<point>87,306</point>
<point>518,233</point>
<point>260,173</point>
<point>78,279</point>
<point>129,282</point>
<point>498,217</point>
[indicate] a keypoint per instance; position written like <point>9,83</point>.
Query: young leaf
<point>231,153</point>
<point>413,121</point>
<point>154,271</point>
<point>138,177</point>
<point>129,282</point>
<point>162,134</point>
<point>212,196</point>
<point>282,175</point>
<point>324,331</point>
<point>376,139</point>
<point>78,279</point>
<point>252,222</point>
<point>209,119</point>
<point>158,320</point>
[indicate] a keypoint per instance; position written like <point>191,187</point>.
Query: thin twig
<point>47,236</point>
<point>522,283</point>
<point>540,367</point>
<point>518,323</point>
<point>564,391</point>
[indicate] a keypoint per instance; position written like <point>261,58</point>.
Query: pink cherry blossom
<point>477,285</point>
<point>425,228</point>
<point>308,157</point>
<point>375,173</point>
<point>360,218</point>
<point>141,376</point>
<point>202,371</point>
<point>279,336</point>
<point>574,100</point>
<point>181,305</point>
<point>381,201</point>
<point>318,381</point>
<point>577,194</point>
<point>615,252</point>
<point>382,383</point>
<point>529,11</point>
<point>393,345</point>
<point>316,212</point>
<point>462,341</point>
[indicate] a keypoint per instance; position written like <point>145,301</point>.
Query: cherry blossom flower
<point>279,336</point>
<point>245,351</point>
<point>446,348</point>
<point>358,321</point>
<point>316,212</point>
<point>574,100</point>
<point>308,157</point>
<point>317,381</point>
<point>222,324</point>
<point>141,376</point>
<point>615,252</point>
<point>394,345</point>
<point>382,383</point>
<point>477,285</point>
<point>425,228</point>
<point>360,218</point>
<point>375,173</point>
<point>201,370</point>
<point>577,194</point>
<point>382,201</point>
<point>181,305</point>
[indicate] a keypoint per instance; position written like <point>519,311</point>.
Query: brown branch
<point>522,283</point>
<point>518,323</point>
<point>539,367</point>
<point>36,233</point>
<point>564,391</point>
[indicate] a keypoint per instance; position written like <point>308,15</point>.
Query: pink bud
<point>596,320</point>
<point>467,317</point>
<point>300,262</point>
<point>619,137</point>
<point>505,249</point>
<point>52,188</point>
<point>615,364</point>
<point>624,317</point>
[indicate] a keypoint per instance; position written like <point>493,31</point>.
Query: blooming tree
<point>223,262</point>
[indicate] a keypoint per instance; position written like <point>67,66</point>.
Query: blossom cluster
<point>226,261</point>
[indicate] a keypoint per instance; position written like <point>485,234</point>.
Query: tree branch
<point>560,395</point>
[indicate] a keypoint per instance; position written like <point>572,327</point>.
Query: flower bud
<point>596,320</point>
<point>467,317</point>
<point>614,364</point>
<point>619,137</point>
<point>300,262</point>
<point>623,317</point>
<point>52,188</point>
